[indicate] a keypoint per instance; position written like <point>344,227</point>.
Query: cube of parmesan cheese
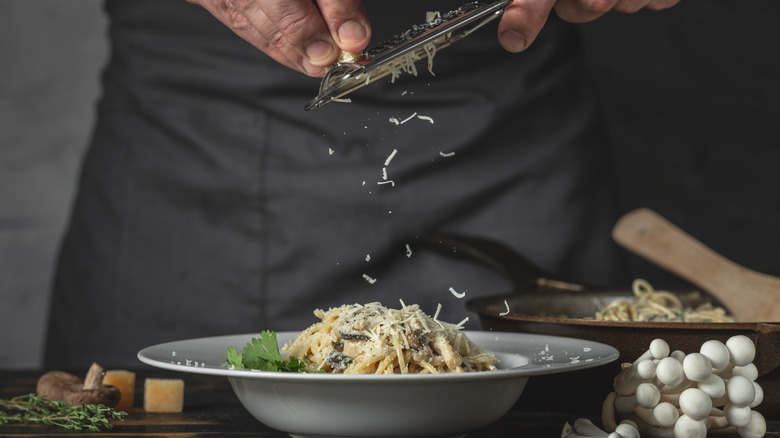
<point>124,381</point>
<point>163,395</point>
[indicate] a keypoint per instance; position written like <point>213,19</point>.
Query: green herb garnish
<point>262,354</point>
<point>33,408</point>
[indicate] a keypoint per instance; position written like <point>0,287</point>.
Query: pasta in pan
<point>650,304</point>
<point>373,339</point>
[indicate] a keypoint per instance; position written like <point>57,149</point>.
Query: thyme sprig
<point>33,408</point>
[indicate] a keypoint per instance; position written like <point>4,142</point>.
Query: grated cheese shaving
<point>426,118</point>
<point>409,118</point>
<point>341,100</point>
<point>446,154</point>
<point>369,279</point>
<point>392,184</point>
<point>408,251</point>
<point>457,294</point>
<point>507,309</point>
<point>394,120</point>
<point>390,157</point>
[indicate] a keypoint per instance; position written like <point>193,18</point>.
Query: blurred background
<point>691,96</point>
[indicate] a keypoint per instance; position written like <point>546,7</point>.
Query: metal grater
<point>396,54</point>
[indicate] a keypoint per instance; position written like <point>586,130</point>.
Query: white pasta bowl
<point>399,405</point>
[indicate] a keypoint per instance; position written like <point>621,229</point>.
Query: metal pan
<point>541,304</point>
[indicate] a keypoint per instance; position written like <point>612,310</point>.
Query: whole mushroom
<point>71,389</point>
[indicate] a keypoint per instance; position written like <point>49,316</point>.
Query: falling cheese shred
<point>456,293</point>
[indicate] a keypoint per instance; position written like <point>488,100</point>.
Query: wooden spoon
<point>749,295</point>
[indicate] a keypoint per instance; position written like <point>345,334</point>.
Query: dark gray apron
<point>210,203</point>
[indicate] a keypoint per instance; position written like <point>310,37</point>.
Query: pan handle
<point>524,275</point>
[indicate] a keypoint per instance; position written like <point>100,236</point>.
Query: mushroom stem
<point>94,377</point>
<point>608,412</point>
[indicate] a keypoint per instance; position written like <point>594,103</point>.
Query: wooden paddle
<point>748,295</point>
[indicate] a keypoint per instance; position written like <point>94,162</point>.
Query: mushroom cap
<point>659,348</point>
<point>714,386</point>
<point>740,391</point>
<point>687,427</point>
<point>717,353</point>
<point>647,395</point>
<point>739,416</point>
<point>697,367</point>
<point>665,414</point>
<point>750,371</point>
<point>646,369</point>
<point>627,430</point>
<point>669,371</point>
<point>756,428</point>
<point>759,395</point>
<point>695,403</point>
<point>741,349</point>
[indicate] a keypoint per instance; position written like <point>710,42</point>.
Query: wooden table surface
<point>212,410</point>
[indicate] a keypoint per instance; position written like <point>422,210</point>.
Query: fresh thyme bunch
<point>32,408</point>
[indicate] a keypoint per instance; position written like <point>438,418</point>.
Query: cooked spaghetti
<point>650,304</point>
<point>373,339</point>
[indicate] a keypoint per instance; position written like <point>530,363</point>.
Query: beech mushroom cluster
<point>670,394</point>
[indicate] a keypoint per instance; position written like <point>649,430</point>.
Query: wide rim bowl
<point>399,405</point>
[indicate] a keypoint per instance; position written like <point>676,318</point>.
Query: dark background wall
<point>691,96</point>
<point>50,56</point>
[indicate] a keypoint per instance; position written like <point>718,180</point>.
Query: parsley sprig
<point>262,354</point>
<point>33,408</point>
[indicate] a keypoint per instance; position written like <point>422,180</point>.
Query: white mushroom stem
<point>585,427</point>
<point>643,416</point>
<point>672,398</point>
<point>648,430</point>
<point>608,412</point>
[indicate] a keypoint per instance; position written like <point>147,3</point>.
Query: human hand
<point>523,19</point>
<point>303,35</point>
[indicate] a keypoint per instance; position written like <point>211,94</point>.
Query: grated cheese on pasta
<point>373,339</point>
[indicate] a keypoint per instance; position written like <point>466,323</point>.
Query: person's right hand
<point>303,35</point>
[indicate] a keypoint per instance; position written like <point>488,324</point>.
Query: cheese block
<point>163,395</point>
<point>124,381</point>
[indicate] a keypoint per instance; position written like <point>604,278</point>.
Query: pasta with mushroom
<point>373,339</point>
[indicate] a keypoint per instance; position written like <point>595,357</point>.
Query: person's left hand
<point>523,19</point>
